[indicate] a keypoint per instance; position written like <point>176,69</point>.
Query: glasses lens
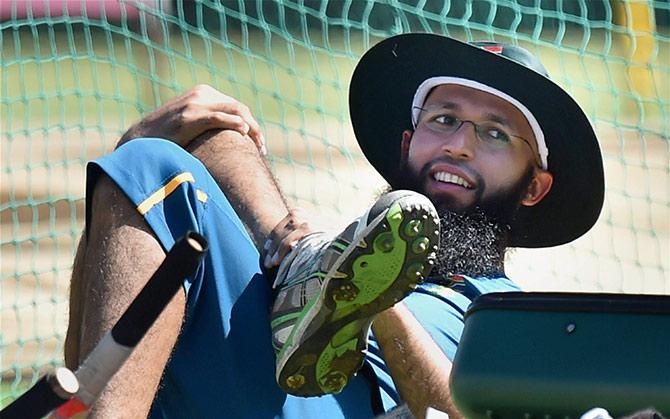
<point>493,135</point>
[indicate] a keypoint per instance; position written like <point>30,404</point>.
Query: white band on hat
<point>425,87</point>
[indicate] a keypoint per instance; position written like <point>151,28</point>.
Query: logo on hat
<point>496,49</point>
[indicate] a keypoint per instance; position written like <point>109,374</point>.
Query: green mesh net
<point>76,73</point>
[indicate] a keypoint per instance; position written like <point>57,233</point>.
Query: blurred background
<point>77,73</point>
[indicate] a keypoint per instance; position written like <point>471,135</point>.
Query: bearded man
<point>482,152</point>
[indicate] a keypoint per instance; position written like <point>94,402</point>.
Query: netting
<point>76,73</point>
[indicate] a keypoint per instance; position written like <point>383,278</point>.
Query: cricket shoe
<point>330,289</point>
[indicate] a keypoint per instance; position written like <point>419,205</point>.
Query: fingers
<point>211,109</point>
<point>200,109</point>
<point>284,238</point>
<point>237,116</point>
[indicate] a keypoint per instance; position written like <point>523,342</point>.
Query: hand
<point>200,109</point>
<point>284,237</point>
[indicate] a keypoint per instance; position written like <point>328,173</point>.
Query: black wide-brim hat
<point>380,101</point>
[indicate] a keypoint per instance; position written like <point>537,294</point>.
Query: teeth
<point>451,178</point>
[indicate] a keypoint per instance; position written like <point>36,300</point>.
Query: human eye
<point>495,134</point>
<point>445,119</point>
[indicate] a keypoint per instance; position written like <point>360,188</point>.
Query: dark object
<point>180,262</point>
<point>557,355</point>
<point>48,393</point>
<point>56,389</point>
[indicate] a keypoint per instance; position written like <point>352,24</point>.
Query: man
<point>505,155</point>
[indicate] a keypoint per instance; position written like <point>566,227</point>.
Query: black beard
<point>473,241</point>
<point>471,244</point>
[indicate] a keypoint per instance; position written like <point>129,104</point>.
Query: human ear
<point>539,187</point>
<point>404,145</point>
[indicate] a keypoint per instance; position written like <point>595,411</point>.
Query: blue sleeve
<point>440,309</point>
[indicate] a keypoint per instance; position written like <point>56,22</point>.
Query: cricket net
<point>77,73</point>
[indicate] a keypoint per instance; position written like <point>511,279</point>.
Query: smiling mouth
<point>446,177</point>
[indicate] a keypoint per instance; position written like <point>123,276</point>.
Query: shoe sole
<point>394,254</point>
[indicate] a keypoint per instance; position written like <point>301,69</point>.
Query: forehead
<point>472,100</point>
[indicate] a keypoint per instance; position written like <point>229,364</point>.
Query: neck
<point>471,244</point>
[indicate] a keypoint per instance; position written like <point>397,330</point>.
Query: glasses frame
<point>477,127</point>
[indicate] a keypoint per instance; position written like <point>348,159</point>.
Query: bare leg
<point>243,176</point>
<point>121,252</point>
<point>119,256</point>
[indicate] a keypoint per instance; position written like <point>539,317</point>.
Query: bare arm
<point>419,368</point>
<point>77,290</point>
<point>200,109</point>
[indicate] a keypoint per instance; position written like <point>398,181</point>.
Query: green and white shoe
<point>329,290</point>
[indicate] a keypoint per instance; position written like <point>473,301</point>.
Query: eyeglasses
<point>490,134</point>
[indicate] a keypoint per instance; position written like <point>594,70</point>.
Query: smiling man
<point>506,155</point>
<point>475,155</point>
<point>501,156</point>
<point>462,137</point>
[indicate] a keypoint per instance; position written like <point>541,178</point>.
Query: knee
<point>221,141</point>
<point>223,135</point>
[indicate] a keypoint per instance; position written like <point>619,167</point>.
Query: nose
<point>461,143</point>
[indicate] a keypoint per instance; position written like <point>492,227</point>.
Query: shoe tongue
<point>303,258</point>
